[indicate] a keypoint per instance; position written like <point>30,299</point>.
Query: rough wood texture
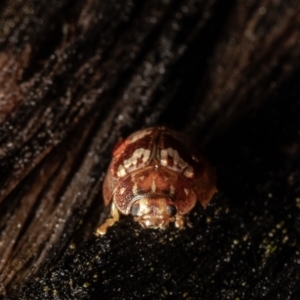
<point>75,76</point>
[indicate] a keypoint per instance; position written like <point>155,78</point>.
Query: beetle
<point>156,176</point>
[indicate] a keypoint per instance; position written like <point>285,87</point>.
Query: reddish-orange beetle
<point>156,177</point>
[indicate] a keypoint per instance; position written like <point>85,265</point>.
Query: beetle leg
<point>114,217</point>
<point>179,221</point>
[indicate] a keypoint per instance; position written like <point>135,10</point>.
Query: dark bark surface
<point>76,76</point>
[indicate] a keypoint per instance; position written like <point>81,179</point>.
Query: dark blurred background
<point>76,76</point>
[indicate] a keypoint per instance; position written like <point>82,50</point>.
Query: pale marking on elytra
<point>138,153</point>
<point>153,186</point>
<point>122,190</point>
<point>176,158</point>
<point>172,190</point>
<point>134,189</point>
<point>178,161</point>
<point>164,157</point>
<point>189,172</point>
<point>121,171</point>
<point>141,178</point>
<point>139,135</point>
<point>186,191</point>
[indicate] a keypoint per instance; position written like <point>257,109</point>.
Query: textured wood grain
<point>76,76</point>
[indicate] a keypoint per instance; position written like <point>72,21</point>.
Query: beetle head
<point>153,212</point>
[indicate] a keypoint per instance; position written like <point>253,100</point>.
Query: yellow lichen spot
<point>46,289</point>
<point>298,202</point>
<point>72,246</point>
<point>208,220</point>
